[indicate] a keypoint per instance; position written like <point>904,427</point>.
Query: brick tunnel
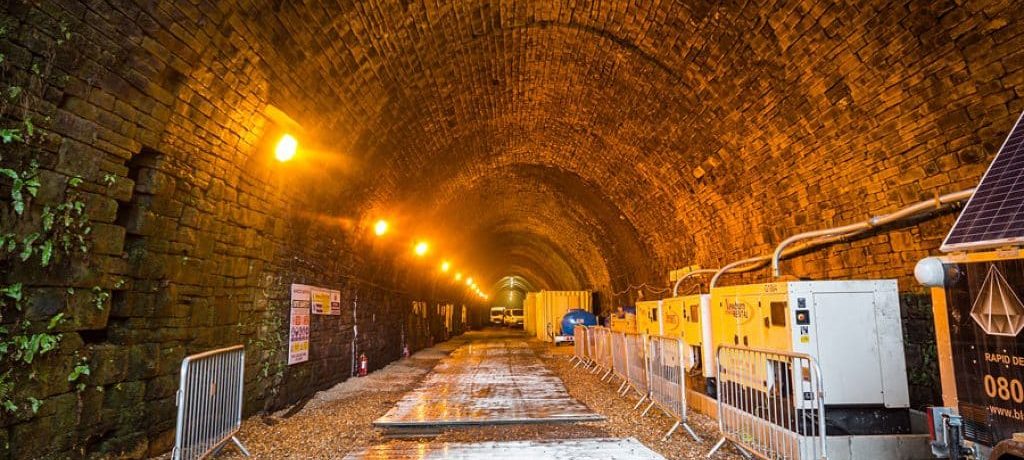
<point>151,209</point>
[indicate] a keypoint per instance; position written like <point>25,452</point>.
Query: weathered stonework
<point>578,145</point>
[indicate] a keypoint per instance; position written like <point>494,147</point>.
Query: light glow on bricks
<point>307,192</point>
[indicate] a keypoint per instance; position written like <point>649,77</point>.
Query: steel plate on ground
<point>495,380</point>
<point>575,449</point>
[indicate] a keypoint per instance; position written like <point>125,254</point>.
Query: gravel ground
<point>624,422</point>
<point>339,421</point>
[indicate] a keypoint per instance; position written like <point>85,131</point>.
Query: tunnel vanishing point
<point>170,169</point>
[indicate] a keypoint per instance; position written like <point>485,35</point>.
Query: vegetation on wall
<point>44,224</point>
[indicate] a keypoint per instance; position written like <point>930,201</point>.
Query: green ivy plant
<point>82,368</point>
<point>33,235</point>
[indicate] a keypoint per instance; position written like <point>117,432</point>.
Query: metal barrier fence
<point>592,340</point>
<point>602,350</point>
<point>620,359</point>
<point>667,380</point>
<point>636,366</point>
<point>580,345</point>
<point>209,403</point>
<point>771,403</point>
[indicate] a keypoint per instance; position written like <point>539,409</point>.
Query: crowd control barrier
<point>667,381</point>
<point>581,343</point>
<point>620,359</point>
<point>653,366</point>
<point>771,403</point>
<point>602,350</point>
<point>631,365</point>
<point>209,403</point>
<point>592,340</point>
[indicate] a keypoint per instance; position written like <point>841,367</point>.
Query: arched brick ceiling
<point>685,131</point>
<point>493,210</point>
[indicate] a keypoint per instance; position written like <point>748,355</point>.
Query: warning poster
<point>298,334</point>
<point>326,301</point>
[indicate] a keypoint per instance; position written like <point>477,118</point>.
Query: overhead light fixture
<point>381,227</point>
<point>421,248</point>
<point>469,281</point>
<point>445,266</point>
<point>458,276</point>
<point>286,148</point>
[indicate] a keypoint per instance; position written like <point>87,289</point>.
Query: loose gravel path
<point>339,421</point>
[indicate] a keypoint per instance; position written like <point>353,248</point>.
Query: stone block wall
<point>195,234</point>
<point>581,145</point>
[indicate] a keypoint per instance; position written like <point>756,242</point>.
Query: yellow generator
<point>648,317</point>
<point>694,330</point>
<point>660,317</point>
<point>680,317</point>
<point>851,328</point>
<point>624,320</point>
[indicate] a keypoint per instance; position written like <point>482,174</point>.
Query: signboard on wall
<point>298,333</point>
<point>984,303</point>
<point>326,301</point>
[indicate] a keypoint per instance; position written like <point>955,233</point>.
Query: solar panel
<point>994,216</point>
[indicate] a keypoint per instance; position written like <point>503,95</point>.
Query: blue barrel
<point>577,317</point>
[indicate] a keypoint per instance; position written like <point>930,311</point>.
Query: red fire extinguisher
<point>364,364</point>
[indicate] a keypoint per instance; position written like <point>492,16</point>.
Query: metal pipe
<point>726,269</point>
<point>852,229</point>
<point>675,288</point>
<point>754,263</point>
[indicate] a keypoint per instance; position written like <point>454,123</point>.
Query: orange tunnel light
<point>286,148</point>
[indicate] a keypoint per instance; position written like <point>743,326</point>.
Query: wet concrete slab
<point>495,379</point>
<point>575,449</point>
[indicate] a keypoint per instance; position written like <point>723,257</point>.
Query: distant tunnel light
<point>469,281</point>
<point>286,148</point>
<point>458,277</point>
<point>445,266</point>
<point>421,248</point>
<point>381,227</point>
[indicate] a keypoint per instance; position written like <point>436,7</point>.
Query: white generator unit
<point>855,332</point>
<point>852,329</point>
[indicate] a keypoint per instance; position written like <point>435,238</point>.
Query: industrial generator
<point>680,317</point>
<point>852,329</point>
<point>623,320</point>
<point>648,317</point>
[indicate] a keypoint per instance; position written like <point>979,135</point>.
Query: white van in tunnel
<point>514,317</point>
<point>497,315</point>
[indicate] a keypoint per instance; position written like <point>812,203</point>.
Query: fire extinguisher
<point>405,351</point>
<point>364,364</point>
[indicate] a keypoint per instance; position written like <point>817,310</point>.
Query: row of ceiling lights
<point>421,247</point>
<point>285,151</point>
